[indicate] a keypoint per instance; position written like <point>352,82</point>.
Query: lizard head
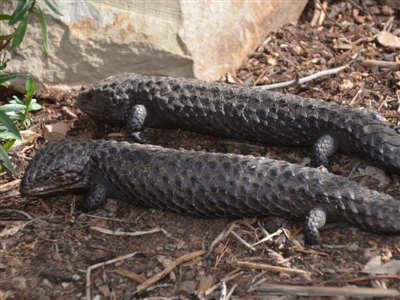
<point>107,101</point>
<point>57,168</point>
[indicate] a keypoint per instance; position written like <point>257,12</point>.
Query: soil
<point>46,249</point>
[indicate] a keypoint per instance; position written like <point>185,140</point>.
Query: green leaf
<point>12,107</point>
<point>6,77</point>
<point>16,100</point>
<point>4,65</point>
<point>35,106</point>
<point>19,13</point>
<point>19,33</point>
<point>28,121</point>
<point>6,162</point>
<point>4,17</point>
<point>6,37</point>
<point>53,8</point>
<point>8,144</point>
<point>43,26</point>
<point>7,135</point>
<point>10,125</point>
<point>30,87</point>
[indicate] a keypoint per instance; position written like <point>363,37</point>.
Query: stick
<point>302,80</point>
<point>88,294</point>
<point>380,63</point>
<point>9,185</point>
<point>168,269</point>
<point>289,271</point>
<point>111,232</point>
<point>326,291</point>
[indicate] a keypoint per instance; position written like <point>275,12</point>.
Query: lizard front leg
<point>94,198</point>
<point>135,123</point>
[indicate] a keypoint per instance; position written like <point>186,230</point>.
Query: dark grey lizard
<point>243,113</point>
<point>207,185</point>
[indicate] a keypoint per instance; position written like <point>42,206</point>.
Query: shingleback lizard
<point>243,113</point>
<point>207,185</point>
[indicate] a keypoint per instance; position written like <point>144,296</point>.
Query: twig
<point>227,230</point>
<point>383,103</point>
<point>256,284</point>
<point>380,63</point>
<point>389,70</point>
<point>106,218</point>
<point>277,269</point>
<point>336,282</point>
<point>5,44</point>
<point>326,291</point>
<point>10,195</point>
<point>167,270</point>
<point>88,293</point>
<point>222,252</point>
<point>230,276</point>
<point>262,74</point>
<point>231,291</point>
<point>9,185</point>
<point>323,13</point>
<point>223,290</point>
<point>354,168</point>
<point>361,279</point>
<point>317,13</point>
<point>131,275</point>
<point>17,211</point>
<point>268,237</point>
<point>302,80</point>
<point>243,241</point>
<point>357,97</point>
<point>204,285</point>
<point>106,231</point>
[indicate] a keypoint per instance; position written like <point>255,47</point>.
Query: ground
<point>46,250</point>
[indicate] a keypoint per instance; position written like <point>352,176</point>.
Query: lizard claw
<point>140,137</point>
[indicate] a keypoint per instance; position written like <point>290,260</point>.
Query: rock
<point>55,132</point>
<point>19,283</point>
<point>96,39</point>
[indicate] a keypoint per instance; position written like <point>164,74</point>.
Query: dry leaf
<point>389,40</point>
<point>375,266</point>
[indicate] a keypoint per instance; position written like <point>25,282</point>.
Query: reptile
<point>243,113</point>
<point>207,184</point>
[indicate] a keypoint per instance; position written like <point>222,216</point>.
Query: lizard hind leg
<point>315,220</point>
<point>325,147</point>
<point>135,123</point>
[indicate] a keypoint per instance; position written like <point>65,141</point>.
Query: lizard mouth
<point>28,190</point>
<point>45,192</point>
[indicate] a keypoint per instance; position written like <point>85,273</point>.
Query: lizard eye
<point>46,177</point>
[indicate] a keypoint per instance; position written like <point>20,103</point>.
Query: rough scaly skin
<point>207,185</point>
<point>243,113</point>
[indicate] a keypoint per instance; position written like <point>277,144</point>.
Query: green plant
<point>15,114</point>
<point>18,110</point>
<point>8,131</point>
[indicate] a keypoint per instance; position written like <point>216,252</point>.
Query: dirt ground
<point>47,252</point>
